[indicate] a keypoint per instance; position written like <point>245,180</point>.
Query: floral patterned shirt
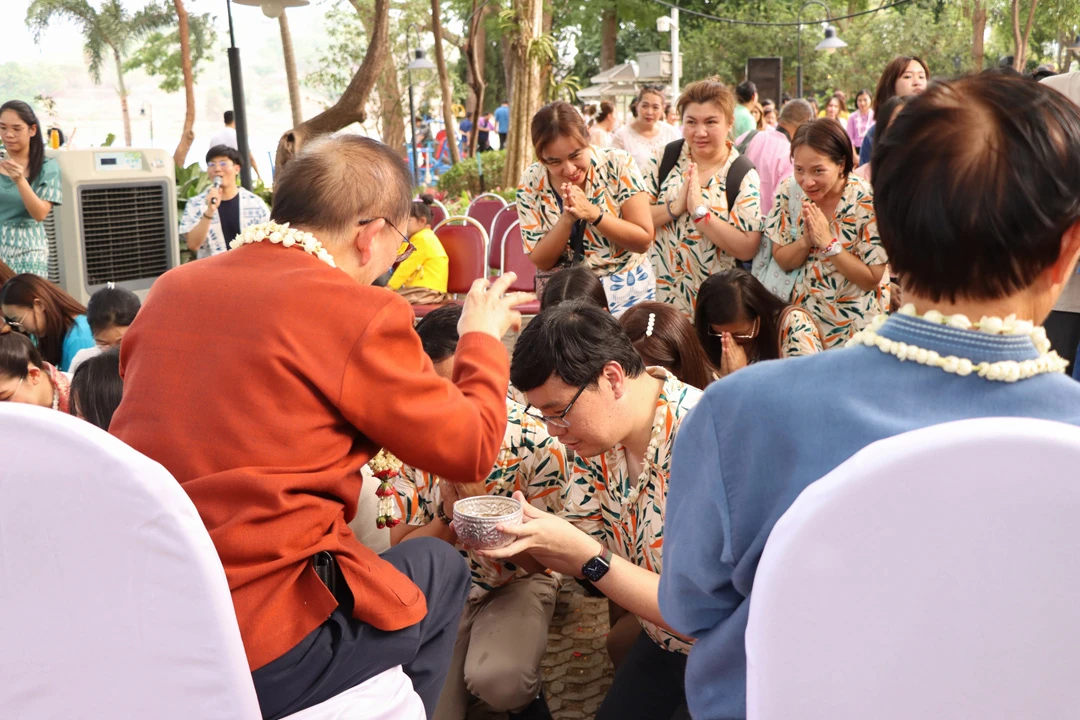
<point>602,499</point>
<point>682,258</point>
<point>530,461</point>
<point>799,335</point>
<point>612,179</point>
<point>838,305</point>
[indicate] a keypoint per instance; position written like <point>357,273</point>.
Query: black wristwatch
<point>597,567</point>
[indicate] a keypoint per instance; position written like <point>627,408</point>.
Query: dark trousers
<point>649,685</point>
<point>502,140</point>
<point>344,652</point>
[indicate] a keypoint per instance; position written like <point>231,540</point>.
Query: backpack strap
<point>671,156</point>
<point>735,175</point>
<point>741,147</point>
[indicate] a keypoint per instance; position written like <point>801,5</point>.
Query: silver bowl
<point>476,518</point>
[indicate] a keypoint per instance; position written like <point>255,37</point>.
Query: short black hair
<point>438,332</point>
<point>97,389</point>
<point>574,283</point>
<point>572,341</point>
<point>829,138</point>
<point>223,151</point>
<point>972,197</point>
<point>230,117</point>
<point>745,91</point>
<point>112,306</point>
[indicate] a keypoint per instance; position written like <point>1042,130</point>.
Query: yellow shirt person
<point>422,277</point>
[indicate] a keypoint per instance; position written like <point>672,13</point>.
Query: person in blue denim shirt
<point>759,437</point>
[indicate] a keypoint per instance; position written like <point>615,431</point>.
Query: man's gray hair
<point>335,182</point>
<point>796,112</point>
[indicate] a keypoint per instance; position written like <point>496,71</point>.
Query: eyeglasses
<point>409,247</point>
<point>223,164</point>
<point>559,420</point>
<point>740,337</point>
<point>18,324</point>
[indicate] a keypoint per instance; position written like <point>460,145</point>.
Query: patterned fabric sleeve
<point>528,207</point>
<point>47,186</point>
<point>417,494</point>
<point>630,182</point>
<point>868,245</point>
<point>747,214</point>
<point>262,214</point>
<point>193,211</point>
<point>777,222</point>
<point>651,177</point>
<point>799,336</point>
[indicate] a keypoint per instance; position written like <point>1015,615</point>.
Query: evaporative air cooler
<point>117,222</point>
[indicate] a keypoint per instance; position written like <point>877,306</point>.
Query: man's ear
<point>364,237</point>
<point>615,375</point>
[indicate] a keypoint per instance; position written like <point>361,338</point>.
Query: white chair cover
<point>113,602</point>
<point>932,575</point>
<point>387,696</point>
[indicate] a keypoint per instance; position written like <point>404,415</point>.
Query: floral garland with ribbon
<point>282,234</point>
<point>1004,371</point>
<point>385,467</point>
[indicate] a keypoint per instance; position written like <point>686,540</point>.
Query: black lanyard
<point>577,233</point>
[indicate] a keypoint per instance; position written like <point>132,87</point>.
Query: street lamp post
<point>830,44</point>
<point>419,62</point>
<point>272,9</point>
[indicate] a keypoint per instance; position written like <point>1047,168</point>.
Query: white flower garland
<point>1004,370</point>
<point>648,462</point>
<point>286,237</point>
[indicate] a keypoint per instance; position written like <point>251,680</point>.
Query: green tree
<point>112,30</point>
<point>175,57</point>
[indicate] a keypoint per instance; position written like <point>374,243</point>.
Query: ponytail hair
<point>421,208</point>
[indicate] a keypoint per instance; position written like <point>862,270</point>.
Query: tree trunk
<point>525,99</point>
<point>351,107</point>
<point>609,34</point>
<point>290,70</point>
<point>547,70</point>
<point>187,136</point>
<point>1020,38</point>
<point>474,55</point>
<point>390,102</point>
<point>122,90</point>
<point>978,33</point>
<point>444,85</point>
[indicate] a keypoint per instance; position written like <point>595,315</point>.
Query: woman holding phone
<point>29,187</point>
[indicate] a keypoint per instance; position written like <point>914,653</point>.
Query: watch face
<point>700,211</point>
<point>595,569</point>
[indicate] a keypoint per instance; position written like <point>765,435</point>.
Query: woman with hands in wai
<point>830,233</point>
<point>707,208</point>
<point>29,187</point>
<point>582,204</point>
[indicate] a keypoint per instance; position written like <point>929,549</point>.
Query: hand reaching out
<point>12,169</point>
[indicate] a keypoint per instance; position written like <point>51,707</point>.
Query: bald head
<point>795,113</point>
<point>337,181</point>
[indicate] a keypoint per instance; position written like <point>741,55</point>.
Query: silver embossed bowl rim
<point>466,502</point>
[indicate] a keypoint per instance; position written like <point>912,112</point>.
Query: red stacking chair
<point>439,213</point>
<point>466,248</point>
<point>515,260</point>
<point>502,222</point>
<point>484,208</point>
